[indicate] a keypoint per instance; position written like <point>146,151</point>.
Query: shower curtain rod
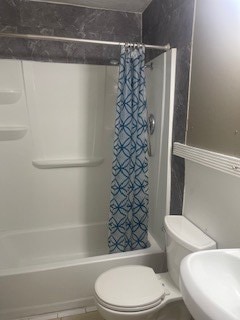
<point>54,38</point>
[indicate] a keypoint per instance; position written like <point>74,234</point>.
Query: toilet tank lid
<point>187,234</point>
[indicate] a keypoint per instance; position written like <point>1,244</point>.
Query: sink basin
<point>210,284</point>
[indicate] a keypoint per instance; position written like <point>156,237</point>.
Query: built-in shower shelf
<point>214,160</point>
<point>12,132</point>
<point>9,96</point>
<point>66,163</point>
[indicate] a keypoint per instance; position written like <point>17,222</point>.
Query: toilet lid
<point>129,287</point>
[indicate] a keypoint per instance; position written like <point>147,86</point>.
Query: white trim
<point>218,161</point>
<point>190,69</point>
<point>170,129</point>
<point>66,163</point>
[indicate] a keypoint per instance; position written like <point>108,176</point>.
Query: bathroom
<point>55,187</point>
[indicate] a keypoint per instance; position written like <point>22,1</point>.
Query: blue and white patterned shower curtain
<point>128,221</point>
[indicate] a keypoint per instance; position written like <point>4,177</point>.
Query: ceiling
<point>137,6</point>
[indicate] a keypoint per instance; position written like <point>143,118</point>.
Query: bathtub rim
<point>153,248</point>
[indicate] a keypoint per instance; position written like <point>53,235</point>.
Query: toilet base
<point>172,311</point>
<point>117,315</point>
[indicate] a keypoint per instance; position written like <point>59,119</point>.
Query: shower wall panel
<point>66,108</point>
<point>68,112</point>
<point>172,22</point>
<point>65,21</point>
<point>155,98</point>
<point>160,93</point>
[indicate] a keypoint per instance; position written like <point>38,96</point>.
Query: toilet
<point>135,292</point>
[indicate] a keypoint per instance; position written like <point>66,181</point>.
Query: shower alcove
<point>55,180</point>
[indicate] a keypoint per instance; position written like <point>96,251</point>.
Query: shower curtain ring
<point>127,46</point>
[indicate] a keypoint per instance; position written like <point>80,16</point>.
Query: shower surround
<point>162,22</point>
<point>58,205</point>
<point>53,237</point>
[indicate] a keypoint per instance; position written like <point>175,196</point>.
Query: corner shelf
<point>12,132</point>
<point>218,161</point>
<point>9,96</point>
<point>66,163</point>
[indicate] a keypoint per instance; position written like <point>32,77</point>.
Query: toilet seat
<point>128,309</point>
<point>129,289</point>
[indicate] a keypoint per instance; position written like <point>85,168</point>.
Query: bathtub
<point>48,270</point>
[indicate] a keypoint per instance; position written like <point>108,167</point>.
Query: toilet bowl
<point>137,292</point>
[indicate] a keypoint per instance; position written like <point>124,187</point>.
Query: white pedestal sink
<point>210,284</point>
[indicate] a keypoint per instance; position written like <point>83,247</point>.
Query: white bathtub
<point>55,269</point>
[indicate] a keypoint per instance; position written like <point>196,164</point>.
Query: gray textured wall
<point>22,16</point>
<point>171,21</point>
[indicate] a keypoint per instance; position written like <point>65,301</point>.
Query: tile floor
<point>86,316</point>
<point>91,315</point>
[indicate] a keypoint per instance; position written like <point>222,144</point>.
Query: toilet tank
<point>183,238</point>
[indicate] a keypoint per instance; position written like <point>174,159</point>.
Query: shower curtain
<point>128,220</point>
